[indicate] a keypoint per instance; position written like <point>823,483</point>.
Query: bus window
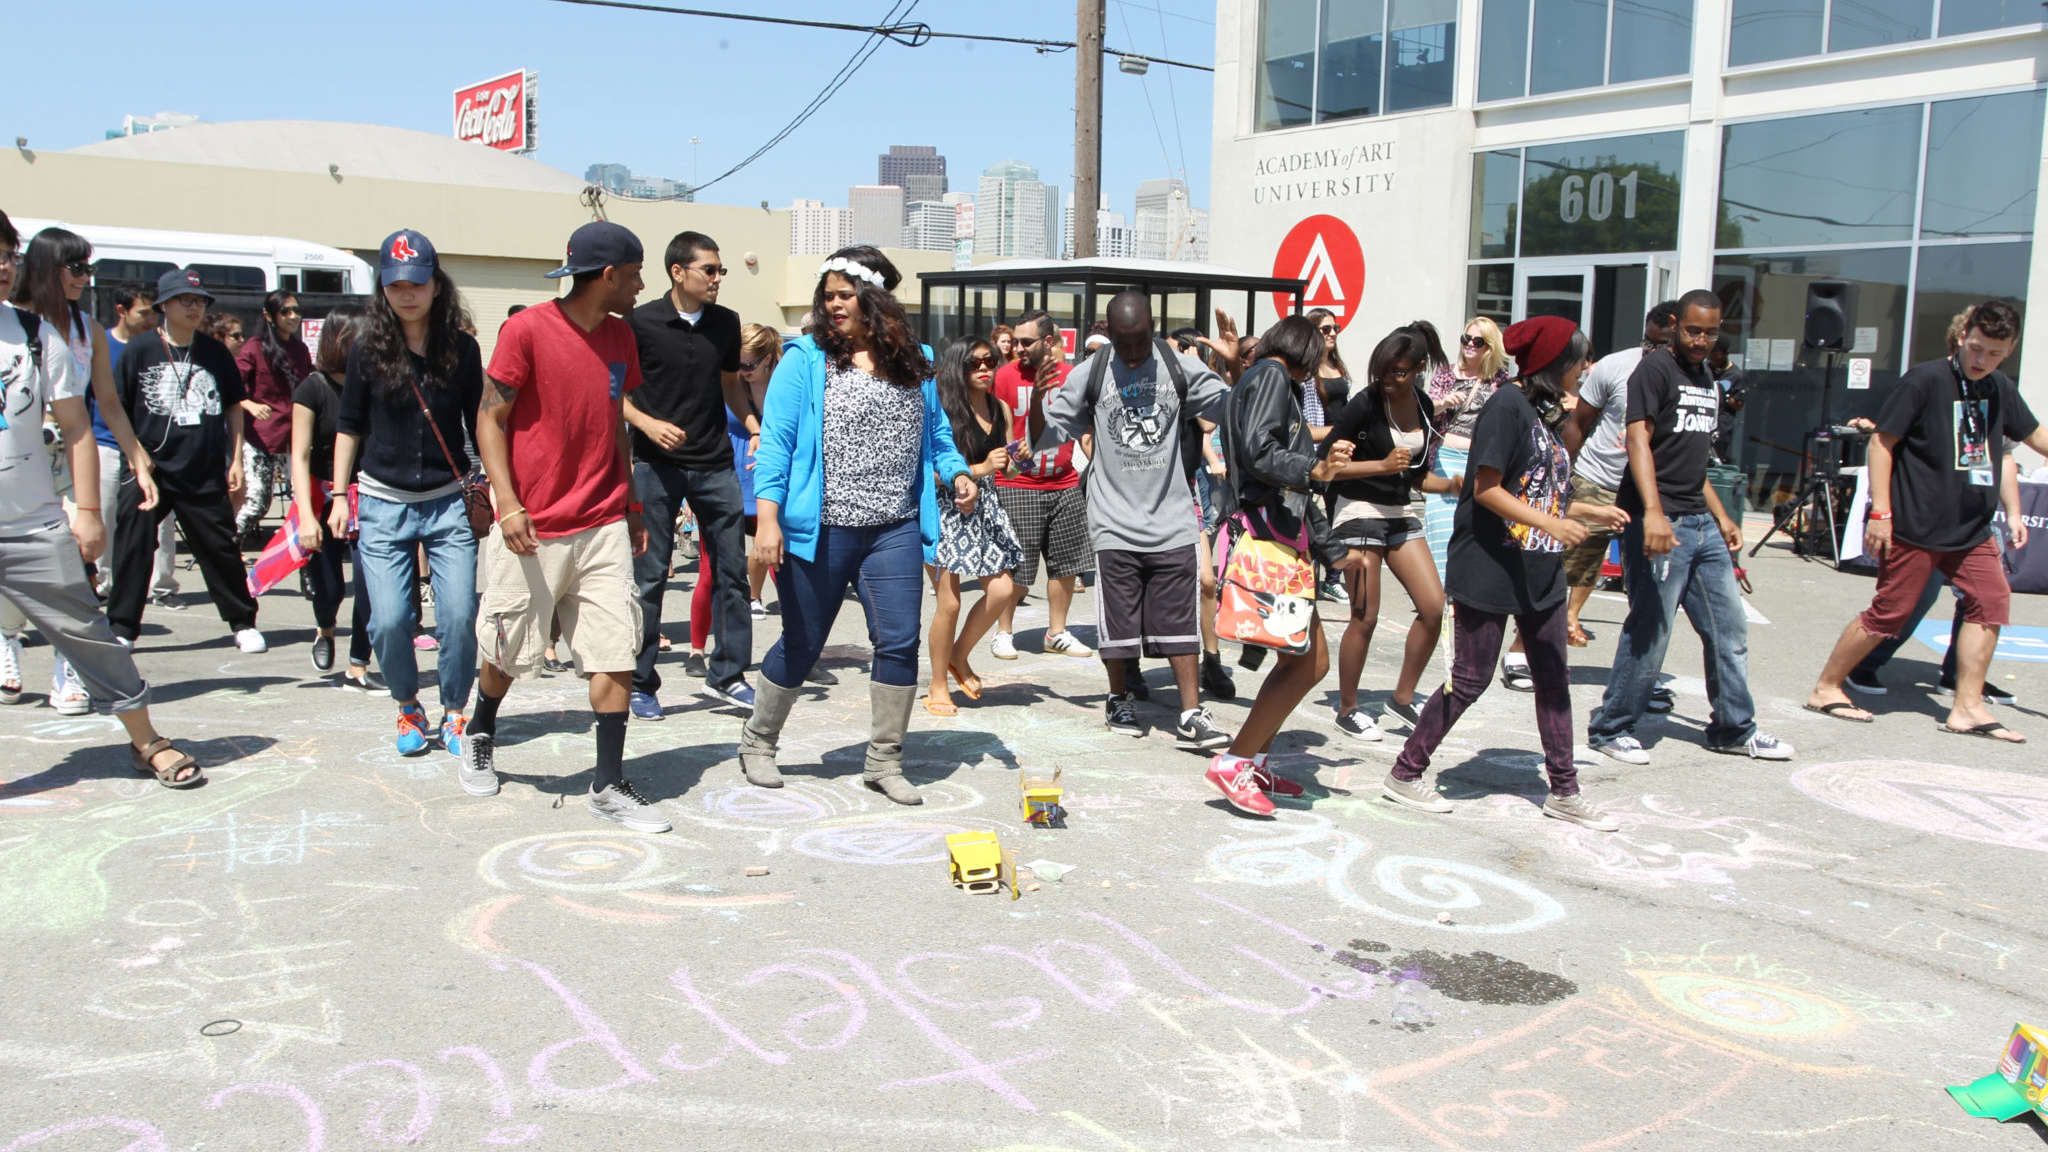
<point>287,281</point>
<point>109,272</point>
<point>241,277</point>
<point>321,280</point>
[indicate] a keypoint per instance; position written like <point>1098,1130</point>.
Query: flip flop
<point>1578,637</point>
<point>968,684</point>
<point>1839,711</point>
<point>941,707</point>
<point>1989,730</point>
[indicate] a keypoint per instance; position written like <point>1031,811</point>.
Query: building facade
<point>877,213</point>
<point>1507,158</point>
<point>928,226</point>
<point>918,169</point>
<point>1016,214</point>
<point>1166,225</point>
<point>818,229</point>
<point>1113,237</point>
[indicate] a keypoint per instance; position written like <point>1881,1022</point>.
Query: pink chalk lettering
<point>423,1101</point>
<point>1152,951</point>
<point>595,1031</point>
<point>851,1004</point>
<point>1024,1009</point>
<point>316,1127</point>
<point>501,1098</point>
<point>971,1068</point>
<point>148,1138</point>
<point>733,1036</point>
<point>1116,982</point>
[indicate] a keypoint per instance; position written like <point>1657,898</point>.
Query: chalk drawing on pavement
<point>1978,804</point>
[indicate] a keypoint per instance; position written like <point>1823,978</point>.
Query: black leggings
<point>329,583</point>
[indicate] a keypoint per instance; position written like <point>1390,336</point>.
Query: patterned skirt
<point>980,544</point>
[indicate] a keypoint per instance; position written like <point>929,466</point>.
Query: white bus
<point>230,266</point>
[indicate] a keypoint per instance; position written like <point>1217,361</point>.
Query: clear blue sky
<point>633,87</point>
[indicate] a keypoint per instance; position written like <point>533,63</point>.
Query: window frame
<point>1827,16</point>
<point>1605,84</point>
<point>1315,90</point>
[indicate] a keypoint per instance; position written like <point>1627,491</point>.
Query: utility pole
<point>1087,125</point>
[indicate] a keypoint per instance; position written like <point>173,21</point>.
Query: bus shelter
<point>1076,292</point>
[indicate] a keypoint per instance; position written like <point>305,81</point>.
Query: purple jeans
<point>1476,641</point>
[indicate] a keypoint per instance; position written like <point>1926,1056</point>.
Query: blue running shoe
<point>453,727</point>
<point>412,730</point>
<point>644,706</point>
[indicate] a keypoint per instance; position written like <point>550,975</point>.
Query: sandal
<point>970,683</point>
<point>939,707</point>
<point>1578,637</point>
<point>167,775</point>
<point>1840,710</point>
<point>1989,730</point>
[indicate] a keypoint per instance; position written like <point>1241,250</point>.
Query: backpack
<point>32,328</point>
<point>1190,432</point>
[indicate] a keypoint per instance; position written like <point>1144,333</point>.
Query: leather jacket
<point>1269,453</point>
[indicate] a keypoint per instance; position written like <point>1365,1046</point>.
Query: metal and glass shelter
<point>1077,293</point>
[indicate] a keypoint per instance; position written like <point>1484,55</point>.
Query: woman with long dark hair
<point>1459,390</point>
<point>1272,472</point>
<point>1378,508</point>
<point>316,407</point>
<point>1507,560</point>
<point>408,413</point>
<point>853,449</point>
<point>1330,388</point>
<point>272,364</point>
<point>978,545</point>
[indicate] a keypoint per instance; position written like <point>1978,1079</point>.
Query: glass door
<point>1544,288</point>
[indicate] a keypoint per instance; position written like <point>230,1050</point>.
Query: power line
<point>910,34</point>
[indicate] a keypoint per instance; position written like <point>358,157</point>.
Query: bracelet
<point>512,513</point>
<point>1877,516</point>
<point>83,508</point>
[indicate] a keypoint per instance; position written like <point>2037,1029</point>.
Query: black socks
<point>611,750</point>
<point>484,721</point>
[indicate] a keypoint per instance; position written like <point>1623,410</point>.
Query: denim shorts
<point>1378,532</point>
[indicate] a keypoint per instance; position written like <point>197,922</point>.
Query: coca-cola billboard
<point>497,113</point>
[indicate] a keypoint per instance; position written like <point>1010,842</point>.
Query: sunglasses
<point>1472,341</point>
<point>79,267</point>
<point>981,362</point>
<point>712,270</point>
<point>1023,341</point>
<point>1327,329</point>
<point>749,365</point>
<point>289,312</point>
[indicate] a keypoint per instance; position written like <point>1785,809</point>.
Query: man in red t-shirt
<point>552,434</point>
<point>1043,500</point>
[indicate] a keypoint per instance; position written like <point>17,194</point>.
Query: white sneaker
<point>1066,644</point>
<point>1004,647</point>
<point>67,695</point>
<point>251,641</point>
<point>1761,746</point>
<point>757,610</point>
<point>1357,723</point>
<point>1626,749</point>
<point>10,670</point>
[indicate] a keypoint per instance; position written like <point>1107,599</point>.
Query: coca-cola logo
<point>493,113</point>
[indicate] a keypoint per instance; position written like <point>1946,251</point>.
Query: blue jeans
<point>390,534</point>
<point>1699,573</point>
<point>888,560</point>
<point>715,497</point>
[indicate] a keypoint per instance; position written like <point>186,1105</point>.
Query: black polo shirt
<point>681,365</point>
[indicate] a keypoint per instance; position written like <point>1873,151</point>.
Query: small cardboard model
<point>977,860</point>
<point>1042,799</point>
<point>2019,1086</point>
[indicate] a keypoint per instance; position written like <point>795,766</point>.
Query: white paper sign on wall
<point>1859,371</point>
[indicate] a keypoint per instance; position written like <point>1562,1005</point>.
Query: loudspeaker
<point>1830,310</point>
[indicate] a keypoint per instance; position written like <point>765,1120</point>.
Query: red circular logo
<point>1323,253</point>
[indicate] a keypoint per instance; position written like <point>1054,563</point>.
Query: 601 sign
<point>1582,197</point>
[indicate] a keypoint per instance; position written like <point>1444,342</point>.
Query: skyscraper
<point>1167,226</point>
<point>877,214</point>
<point>1112,233</point>
<point>918,169</point>
<point>1016,214</point>
<point>611,177</point>
<point>928,226</point>
<point>818,230</point>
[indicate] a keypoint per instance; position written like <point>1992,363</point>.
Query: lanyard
<point>1973,417</point>
<point>171,355</point>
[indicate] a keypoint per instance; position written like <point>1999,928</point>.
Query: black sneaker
<point>1407,715</point>
<point>695,665</point>
<point>1516,678</point>
<point>323,653</point>
<point>1134,680</point>
<point>1866,683</point>
<point>1216,681</point>
<point>1993,694</point>
<point>1197,732</point>
<point>1662,700</point>
<point>1120,716</point>
<point>820,676</point>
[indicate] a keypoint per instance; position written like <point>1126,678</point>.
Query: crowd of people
<point>535,502</point>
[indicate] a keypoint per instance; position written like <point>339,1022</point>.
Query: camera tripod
<point>1818,530</point>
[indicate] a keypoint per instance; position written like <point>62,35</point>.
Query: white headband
<point>850,270</point>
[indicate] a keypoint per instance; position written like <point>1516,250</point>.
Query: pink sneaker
<point>425,643</point>
<point>1240,786</point>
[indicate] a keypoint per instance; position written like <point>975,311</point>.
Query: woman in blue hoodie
<point>853,449</point>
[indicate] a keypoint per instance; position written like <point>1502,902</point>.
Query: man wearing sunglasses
<point>690,367</point>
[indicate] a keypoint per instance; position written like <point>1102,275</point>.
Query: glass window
<point>1287,61</point>
<point>1841,178</point>
<point>1490,292</point>
<point>1652,38</point>
<point>240,277</point>
<point>1503,49</point>
<point>1760,30</point>
<point>1496,199</point>
<point>1983,161</point>
<point>1871,23</point>
<point>1763,316</point>
<point>1352,43</point>
<point>1421,53</point>
<point>1613,195</point>
<point>1571,45</point>
<point>1953,277</point>
<point>1958,16</point>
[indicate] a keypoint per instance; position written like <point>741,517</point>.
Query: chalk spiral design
<point>579,862</point>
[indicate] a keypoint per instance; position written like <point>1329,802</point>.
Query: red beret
<point>1537,342</point>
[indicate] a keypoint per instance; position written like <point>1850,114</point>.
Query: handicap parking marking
<point>2025,642</point>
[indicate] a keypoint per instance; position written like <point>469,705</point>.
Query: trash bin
<point>1730,485</point>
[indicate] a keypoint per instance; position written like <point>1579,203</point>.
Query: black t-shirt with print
<point>1683,405</point>
<point>1946,464</point>
<point>178,399</point>
<point>682,366</point>
<point>1496,565</point>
